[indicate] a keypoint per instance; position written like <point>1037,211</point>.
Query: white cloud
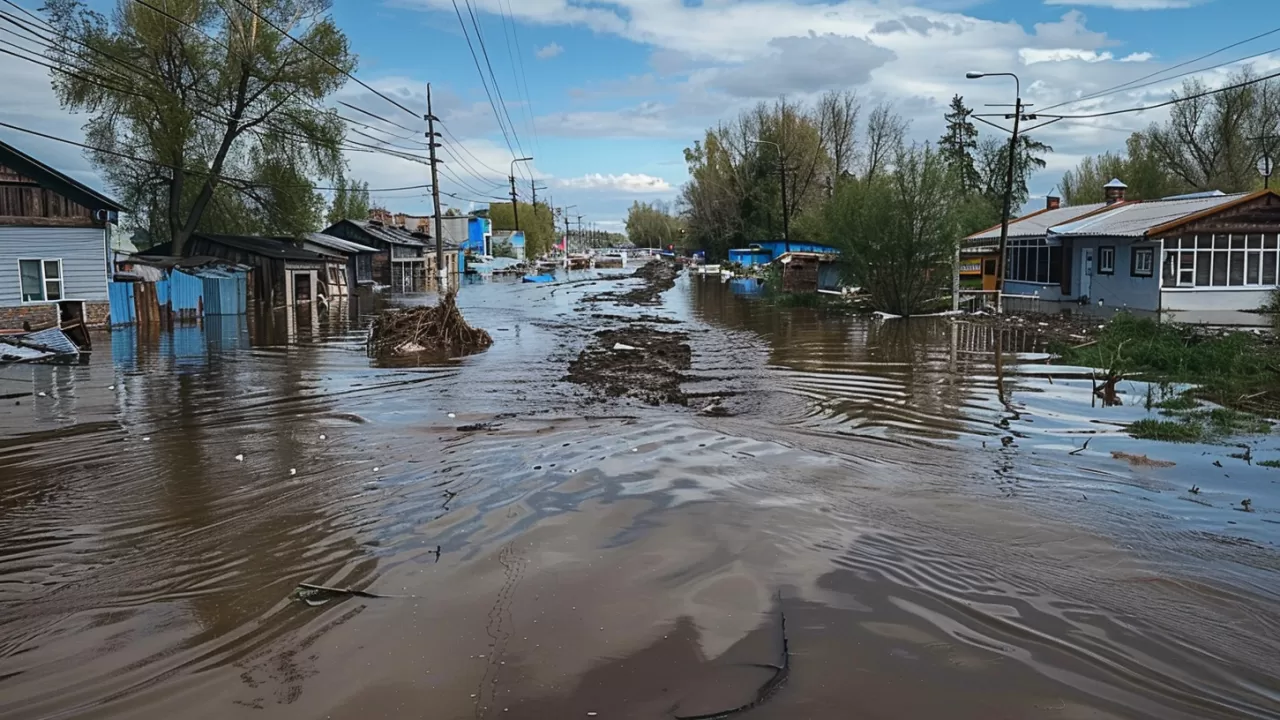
<point>1130,4</point>
<point>626,183</point>
<point>550,51</point>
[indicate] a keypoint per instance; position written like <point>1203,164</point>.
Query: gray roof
<point>391,234</point>
<point>1036,224</point>
<point>1136,219</point>
<point>335,243</point>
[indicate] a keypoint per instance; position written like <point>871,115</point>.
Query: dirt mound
<point>635,362</point>
<point>433,329</point>
<point>659,276</point>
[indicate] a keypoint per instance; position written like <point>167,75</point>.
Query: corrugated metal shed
<point>1036,224</point>
<point>122,308</point>
<point>1135,219</point>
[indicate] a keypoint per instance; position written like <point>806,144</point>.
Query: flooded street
<point>893,521</point>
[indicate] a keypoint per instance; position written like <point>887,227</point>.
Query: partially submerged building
<point>405,259</point>
<point>54,246</point>
<point>283,273</point>
<point>1205,256</point>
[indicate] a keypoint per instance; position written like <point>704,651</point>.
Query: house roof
<point>59,182</point>
<point>281,248</point>
<point>1036,224</point>
<point>390,233</point>
<point>335,243</point>
<point>1136,219</point>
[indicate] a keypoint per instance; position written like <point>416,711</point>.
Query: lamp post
<point>515,206</point>
<point>786,215</point>
<point>1008,188</point>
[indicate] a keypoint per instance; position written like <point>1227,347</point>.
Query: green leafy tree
<point>538,225</point>
<point>734,195</point>
<point>225,115</point>
<point>959,143</point>
<point>350,201</point>
<point>898,230</point>
<point>992,162</point>
<point>652,225</point>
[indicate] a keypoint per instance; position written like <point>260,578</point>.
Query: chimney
<point>1115,191</point>
<point>1052,203</point>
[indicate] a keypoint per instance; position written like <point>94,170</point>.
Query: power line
<point>155,163</point>
<point>320,57</point>
<point>522,79</point>
<point>502,102</point>
<point>476,59</point>
<point>1167,103</point>
<point>1124,86</point>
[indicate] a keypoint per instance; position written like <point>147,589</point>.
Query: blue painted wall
<point>772,249</point>
<point>1120,289</point>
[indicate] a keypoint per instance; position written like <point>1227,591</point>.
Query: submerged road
<point>878,529</point>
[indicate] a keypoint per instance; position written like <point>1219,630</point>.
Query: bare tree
<point>886,132</point>
<point>837,117</point>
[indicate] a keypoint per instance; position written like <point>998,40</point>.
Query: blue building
<point>471,234</point>
<point>766,252</point>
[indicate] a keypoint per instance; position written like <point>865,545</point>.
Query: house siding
<point>1119,289</point>
<point>83,252</point>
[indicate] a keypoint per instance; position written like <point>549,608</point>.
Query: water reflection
<point>904,491</point>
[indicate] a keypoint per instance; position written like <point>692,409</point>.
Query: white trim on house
<point>61,279</point>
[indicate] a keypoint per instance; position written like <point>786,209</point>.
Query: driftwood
<point>432,329</point>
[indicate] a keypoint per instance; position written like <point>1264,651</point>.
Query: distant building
<point>405,259</point>
<point>283,272</point>
<point>764,253</point>
<point>55,260</point>
<point>472,234</point>
<point>515,238</point>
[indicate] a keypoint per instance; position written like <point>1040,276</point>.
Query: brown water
<point>629,562</point>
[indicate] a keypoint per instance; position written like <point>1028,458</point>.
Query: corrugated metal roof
<point>1037,224</point>
<point>393,235</point>
<point>1135,219</point>
<point>269,247</point>
<point>336,243</point>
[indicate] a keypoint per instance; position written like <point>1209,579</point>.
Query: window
<point>1222,261</point>
<point>1033,261</point>
<point>1144,260</point>
<point>1106,260</point>
<point>364,268</point>
<point>41,280</point>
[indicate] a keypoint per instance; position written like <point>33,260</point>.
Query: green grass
<point>1167,431</point>
<point>1200,426</point>
<point>1269,463</point>
<point>1224,368</point>
<point>1178,403</point>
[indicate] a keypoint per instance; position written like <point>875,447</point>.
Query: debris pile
<point>435,329</point>
<point>635,362</point>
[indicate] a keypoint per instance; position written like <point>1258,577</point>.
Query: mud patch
<point>635,362</point>
<point>659,276</point>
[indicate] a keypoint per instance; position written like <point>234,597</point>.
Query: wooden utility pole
<point>515,204</point>
<point>442,277</point>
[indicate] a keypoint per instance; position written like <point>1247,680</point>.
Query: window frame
<point>61,280</point>
<point>1134,254</point>
<point>1226,260</point>
<point>1105,269</point>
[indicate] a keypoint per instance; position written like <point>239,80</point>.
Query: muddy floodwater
<point>881,520</point>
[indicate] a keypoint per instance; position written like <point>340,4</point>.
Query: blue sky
<point>605,94</point>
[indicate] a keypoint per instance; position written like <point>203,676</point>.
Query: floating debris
<point>436,328</point>
<point>1141,460</point>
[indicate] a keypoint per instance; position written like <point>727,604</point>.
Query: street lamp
<point>515,207</point>
<point>782,171</point>
<point>1008,188</point>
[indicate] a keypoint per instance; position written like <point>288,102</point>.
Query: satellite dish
<point>1265,166</point>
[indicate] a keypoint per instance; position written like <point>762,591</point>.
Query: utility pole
<point>442,278</point>
<point>515,204</point>
<point>786,214</point>
<point>534,185</point>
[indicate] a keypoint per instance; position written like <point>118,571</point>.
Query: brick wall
<point>97,314</point>
<point>11,318</point>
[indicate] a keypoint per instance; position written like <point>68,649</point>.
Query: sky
<point>606,94</point>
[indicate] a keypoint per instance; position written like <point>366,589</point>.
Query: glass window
<point>1253,268</point>
<point>1222,242</point>
<point>41,280</point>
<point>1269,241</point>
<point>1220,269</point>
<point>1171,268</point>
<point>1143,262</point>
<point>1237,269</point>
<point>1237,242</point>
<point>1204,266</point>
<point>1255,242</point>
<point>32,282</point>
<point>1106,260</point>
<point>1204,242</point>
<point>1269,267</point>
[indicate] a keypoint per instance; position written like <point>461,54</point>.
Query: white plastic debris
<point>293,471</point>
<point>324,437</point>
<point>42,394</point>
<point>452,416</point>
<point>240,458</point>
<point>376,469</point>
<point>620,346</point>
<point>146,439</point>
<point>111,387</point>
